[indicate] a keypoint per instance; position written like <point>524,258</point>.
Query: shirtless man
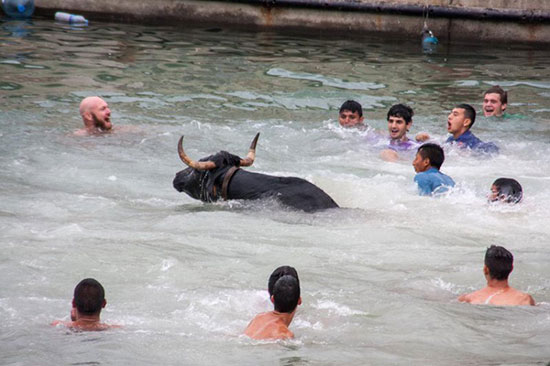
<point>274,324</point>
<point>96,116</point>
<point>88,300</point>
<point>497,268</point>
<point>399,122</point>
<point>495,101</point>
<point>351,115</point>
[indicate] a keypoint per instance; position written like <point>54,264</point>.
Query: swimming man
<point>459,122</point>
<point>499,262</point>
<point>351,115</point>
<point>274,324</point>
<point>427,163</point>
<point>506,190</point>
<point>96,116</point>
<point>399,122</point>
<point>495,101</point>
<point>88,300</point>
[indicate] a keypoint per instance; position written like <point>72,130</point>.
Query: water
<point>379,278</point>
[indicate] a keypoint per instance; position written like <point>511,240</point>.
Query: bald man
<point>96,116</point>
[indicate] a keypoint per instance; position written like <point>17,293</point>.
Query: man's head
<point>495,101</point>
<point>427,156</point>
<point>399,121</point>
<point>506,190</point>
<point>278,273</point>
<point>89,297</point>
<point>351,114</point>
<point>461,119</point>
<point>286,294</point>
<point>95,114</point>
<point>499,262</point>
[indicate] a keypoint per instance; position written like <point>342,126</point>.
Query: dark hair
<point>509,190</point>
<point>352,106</point>
<point>469,112</point>
<point>498,90</point>
<point>278,273</point>
<point>286,294</point>
<point>499,261</point>
<point>89,296</point>
<point>401,110</point>
<point>434,152</point>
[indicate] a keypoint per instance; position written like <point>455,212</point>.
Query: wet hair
<point>469,112</point>
<point>509,190</point>
<point>278,273</point>
<point>499,261</point>
<point>286,294</point>
<point>89,296</point>
<point>401,110</point>
<point>434,152</point>
<point>498,90</point>
<point>352,106</point>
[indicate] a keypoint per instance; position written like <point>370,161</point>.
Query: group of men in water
<point>284,292</point>
<point>430,156</point>
<point>284,284</point>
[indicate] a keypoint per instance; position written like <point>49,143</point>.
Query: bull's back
<point>291,191</point>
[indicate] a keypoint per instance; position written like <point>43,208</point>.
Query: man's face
<point>492,106</point>
<point>101,115</point>
<point>397,127</point>
<point>457,123</point>
<point>420,164</point>
<point>494,195</point>
<point>350,119</point>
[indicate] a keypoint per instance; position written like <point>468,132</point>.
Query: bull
<point>220,176</point>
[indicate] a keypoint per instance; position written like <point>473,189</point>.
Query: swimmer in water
<point>96,116</point>
<point>506,190</point>
<point>274,324</point>
<point>399,122</point>
<point>495,101</point>
<point>459,122</point>
<point>88,300</point>
<point>427,163</point>
<point>499,262</point>
<point>278,273</point>
<point>351,115</point>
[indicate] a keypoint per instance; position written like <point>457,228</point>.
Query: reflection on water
<point>379,277</point>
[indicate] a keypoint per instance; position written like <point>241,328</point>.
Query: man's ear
<point>467,122</point>
<point>485,270</point>
<point>300,301</point>
<point>504,105</point>
<point>409,125</point>
<point>272,298</point>
<point>104,303</point>
<point>74,303</point>
<point>361,119</point>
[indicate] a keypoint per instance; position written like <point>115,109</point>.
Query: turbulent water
<point>379,277</point>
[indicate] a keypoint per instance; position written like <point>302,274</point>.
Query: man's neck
<point>87,319</point>
<point>404,138</point>
<point>497,284</point>
<point>286,318</point>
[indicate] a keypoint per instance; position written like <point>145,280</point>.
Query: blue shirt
<point>468,139</point>
<point>433,181</point>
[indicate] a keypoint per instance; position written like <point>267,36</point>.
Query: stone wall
<point>400,17</point>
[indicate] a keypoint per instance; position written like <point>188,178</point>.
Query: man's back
<point>500,297</point>
<point>268,325</point>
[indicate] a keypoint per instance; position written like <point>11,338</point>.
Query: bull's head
<point>202,179</point>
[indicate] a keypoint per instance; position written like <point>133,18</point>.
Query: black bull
<point>219,176</point>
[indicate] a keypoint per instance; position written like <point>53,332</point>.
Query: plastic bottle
<point>70,18</point>
<point>18,9</point>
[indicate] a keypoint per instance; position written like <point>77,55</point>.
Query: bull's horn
<point>249,160</point>
<point>199,165</point>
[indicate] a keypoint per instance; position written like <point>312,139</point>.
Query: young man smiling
<point>399,122</point>
<point>495,101</point>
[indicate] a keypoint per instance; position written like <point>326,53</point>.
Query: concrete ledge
<point>519,21</point>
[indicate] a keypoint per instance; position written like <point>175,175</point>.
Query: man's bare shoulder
<point>267,326</point>
<point>472,297</point>
<point>78,326</point>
